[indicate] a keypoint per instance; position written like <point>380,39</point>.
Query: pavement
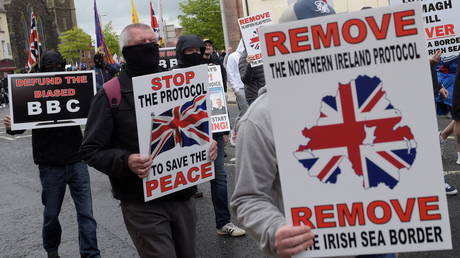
<point>21,209</point>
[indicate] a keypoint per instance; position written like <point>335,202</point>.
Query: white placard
<point>173,128</point>
<point>220,122</point>
<point>358,155</point>
<point>249,27</point>
<point>442,24</point>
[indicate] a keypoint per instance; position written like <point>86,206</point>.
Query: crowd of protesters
<point>165,227</point>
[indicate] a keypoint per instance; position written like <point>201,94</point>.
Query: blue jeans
<point>219,186</point>
<point>54,182</point>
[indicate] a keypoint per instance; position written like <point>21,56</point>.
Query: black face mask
<point>142,59</point>
<point>192,59</point>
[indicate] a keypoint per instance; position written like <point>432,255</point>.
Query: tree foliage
<point>73,42</point>
<point>203,18</point>
<point>112,39</point>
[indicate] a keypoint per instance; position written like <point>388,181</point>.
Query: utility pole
<point>162,23</point>
<point>224,25</point>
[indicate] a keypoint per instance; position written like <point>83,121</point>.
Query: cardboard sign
<point>442,25</point>
<point>168,58</point>
<point>220,121</point>
<point>45,100</point>
<point>173,128</point>
<point>358,155</point>
<point>249,27</point>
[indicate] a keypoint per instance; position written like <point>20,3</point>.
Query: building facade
<point>6,56</point>
<point>53,18</point>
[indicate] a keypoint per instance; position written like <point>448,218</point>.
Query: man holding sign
<point>56,152</point>
<point>164,227</point>
<point>343,168</point>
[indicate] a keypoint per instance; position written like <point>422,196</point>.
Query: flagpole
<point>162,25</point>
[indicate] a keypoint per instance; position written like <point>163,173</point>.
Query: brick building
<point>54,17</point>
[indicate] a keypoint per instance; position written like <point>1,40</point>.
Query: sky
<point>119,12</point>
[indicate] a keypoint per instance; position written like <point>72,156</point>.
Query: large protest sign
<point>168,58</point>
<point>44,100</point>
<point>173,128</point>
<point>358,155</point>
<point>220,121</point>
<point>249,27</point>
<point>442,25</point>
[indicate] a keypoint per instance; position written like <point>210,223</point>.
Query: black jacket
<point>55,146</point>
<point>110,137</point>
<point>252,77</point>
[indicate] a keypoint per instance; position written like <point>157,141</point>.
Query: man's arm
<point>97,149</point>
<point>256,173</point>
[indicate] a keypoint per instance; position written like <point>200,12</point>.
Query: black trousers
<point>162,228</point>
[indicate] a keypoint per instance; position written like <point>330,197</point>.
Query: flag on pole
<point>134,13</point>
<point>153,19</point>
<point>34,44</point>
<point>100,41</point>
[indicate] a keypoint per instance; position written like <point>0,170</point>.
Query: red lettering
<point>296,39</point>
<point>190,176</point>
<point>301,215</point>
<point>156,84</point>
<point>276,40</point>
<point>404,216</point>
<point>206,170</point>
<point>425,208</point>
<point>189,76</point>
<point>180,179</point>
<point>401,23</point>
<point>179,79</point>
<point>165,183</point>
<point>450,29</point>
<point>321,216</point>
<point>167,79</point>
<point>356,214</point>
<point>150,186</point>
<point>382,32</point>
<point>319,35</point>
<point>362,31</point>
<point>386,212</point>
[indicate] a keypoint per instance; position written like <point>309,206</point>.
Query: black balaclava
<point>52,61</point>
<point>192,59</point>
<point>189,41</point>
<point>142,59</point>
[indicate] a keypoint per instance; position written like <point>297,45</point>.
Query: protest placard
<point>44,100</point>
<point>168,58</point>
<point>220,121</point>
<point>173,128</point>
<point>249,27</point>
<point>358,153</point>
<point>442,25</point>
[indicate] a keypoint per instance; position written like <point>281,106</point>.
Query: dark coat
<point>252,77</point>
<point>110,137</point>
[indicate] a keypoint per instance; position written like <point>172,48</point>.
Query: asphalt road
<point>21,210</point>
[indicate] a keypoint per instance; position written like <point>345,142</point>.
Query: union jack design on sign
<point>362,125</point>
<point>184,125</point>
<point>254,41</point>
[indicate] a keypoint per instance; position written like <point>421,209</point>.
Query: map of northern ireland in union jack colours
<point>361,125</point>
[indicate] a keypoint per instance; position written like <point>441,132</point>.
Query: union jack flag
<point>153,19</point>
<point>34,44</point>
<point>185,125</point>
<point>362,125</point>
<point>254,41</point>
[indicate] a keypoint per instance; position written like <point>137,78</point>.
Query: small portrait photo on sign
<point>218,104</point>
